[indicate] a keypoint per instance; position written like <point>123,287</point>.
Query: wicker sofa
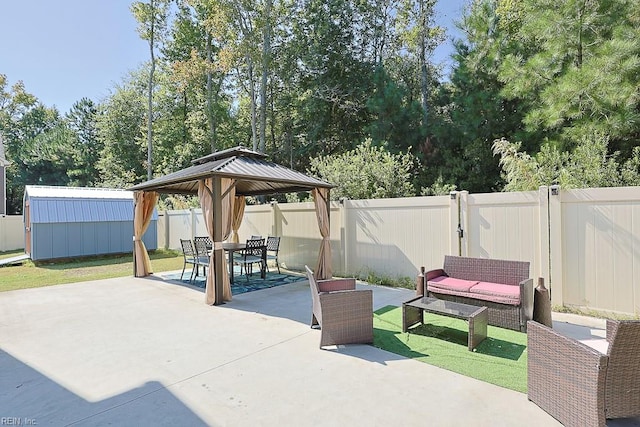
<point>577,384</point>
<point>503,286</point>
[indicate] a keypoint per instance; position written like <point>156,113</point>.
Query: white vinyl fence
<point>11,232</point>
<point>584,243</point>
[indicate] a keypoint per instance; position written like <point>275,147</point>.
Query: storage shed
<point>66,222</point>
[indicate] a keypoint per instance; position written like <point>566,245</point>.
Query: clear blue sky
<point>68,49</point>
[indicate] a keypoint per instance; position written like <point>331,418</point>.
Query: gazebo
<point>221,181</point>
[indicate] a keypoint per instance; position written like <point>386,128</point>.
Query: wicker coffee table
<point>413,314</point>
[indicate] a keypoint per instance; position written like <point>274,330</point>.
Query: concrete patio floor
<point>144,351</point>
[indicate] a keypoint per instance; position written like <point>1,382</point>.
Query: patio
<point>138,351</point>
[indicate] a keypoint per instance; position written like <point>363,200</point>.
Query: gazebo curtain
<point>205,193</point>
<point>321,200</point>
<point>238,213</point>
<point>144,202</point>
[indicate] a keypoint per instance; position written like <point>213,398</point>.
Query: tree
<point>120,126</point>
<point>395,117</point>
<point>37,141</point>
<point>234,26</point>
<point>580,73</point>
<point>333,82</point>
<point>194,55</point>
<point>86,147</point>
<point>473,110</point>
<point>589,165</point>
<point>367,172</point>
<point>421,36</point>
<point>152,18</point>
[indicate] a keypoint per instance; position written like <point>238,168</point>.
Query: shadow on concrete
<point>28,397</point>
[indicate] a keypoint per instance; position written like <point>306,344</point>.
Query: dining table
<point>231,247</point>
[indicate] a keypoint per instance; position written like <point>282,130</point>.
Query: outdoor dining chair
<point>206,240</point>
<point>273,246</point>
<point>203,248</point>
<point>344,314</point>
<point>251,254</point>
<point>190,256</point>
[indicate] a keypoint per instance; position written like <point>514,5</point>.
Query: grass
<point>10,254</point>
<point>31,275</point>
<point>500,359</point>
<point>374,278</point>
<point>601,314</point>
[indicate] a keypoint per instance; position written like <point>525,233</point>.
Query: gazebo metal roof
<point>254,174</point>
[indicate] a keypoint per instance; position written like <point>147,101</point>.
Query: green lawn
<point>10,254</point>
<point>30,275</point>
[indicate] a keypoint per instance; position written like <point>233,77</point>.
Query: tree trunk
<point>266,55</point>
<point>252,95</point>
<point>423,64</point>
<point>150,97</point>
<point>211,120</point>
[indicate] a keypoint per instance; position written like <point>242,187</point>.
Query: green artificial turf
<point>500,359</point>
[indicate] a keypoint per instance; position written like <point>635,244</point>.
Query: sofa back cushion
<point>486,270</point>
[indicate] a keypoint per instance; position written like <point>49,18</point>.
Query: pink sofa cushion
<point>451,283</point>
<point>505,293</point>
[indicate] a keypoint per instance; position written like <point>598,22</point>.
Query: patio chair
<point>252,254</point>
<point>580,386</point>
<point>206,240</point>
<point>344,314</point>
<point>189,255</point>
<point>273,246</point>
<point>203,248</point>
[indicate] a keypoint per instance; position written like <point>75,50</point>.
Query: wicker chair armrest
<point>565,377</point>
<point>332,285</point>
<point>432,274</point>
<point>526,300</point>
<point>612,326</point>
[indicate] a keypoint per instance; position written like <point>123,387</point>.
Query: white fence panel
<point>505,226</point>
<point>257,221</point>
<point>11,232</point>
<point>297,224</point>
<point>179,224</point>
<point>601,248</point>
<point>396,236</point>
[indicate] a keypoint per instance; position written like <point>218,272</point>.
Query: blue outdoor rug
<point>240,284</point>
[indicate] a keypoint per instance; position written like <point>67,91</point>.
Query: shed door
<point>27,229</point>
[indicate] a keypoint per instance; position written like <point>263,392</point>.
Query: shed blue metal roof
<point>68,204</point>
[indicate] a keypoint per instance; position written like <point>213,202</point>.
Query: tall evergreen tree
<point>81,120</point>
<point>474,112</point>
<point>581,73</point>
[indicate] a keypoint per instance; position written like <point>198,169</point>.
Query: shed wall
<point>67,240</point>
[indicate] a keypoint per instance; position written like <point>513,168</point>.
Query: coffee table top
<point>447,308</point>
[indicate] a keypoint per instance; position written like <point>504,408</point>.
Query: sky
<point>65,50</point>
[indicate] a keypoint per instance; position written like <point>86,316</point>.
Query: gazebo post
<point>133,241</point>
<point>218,252</point>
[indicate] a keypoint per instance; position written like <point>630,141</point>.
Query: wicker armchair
<point>578,385</point>
<point>344,314</point>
